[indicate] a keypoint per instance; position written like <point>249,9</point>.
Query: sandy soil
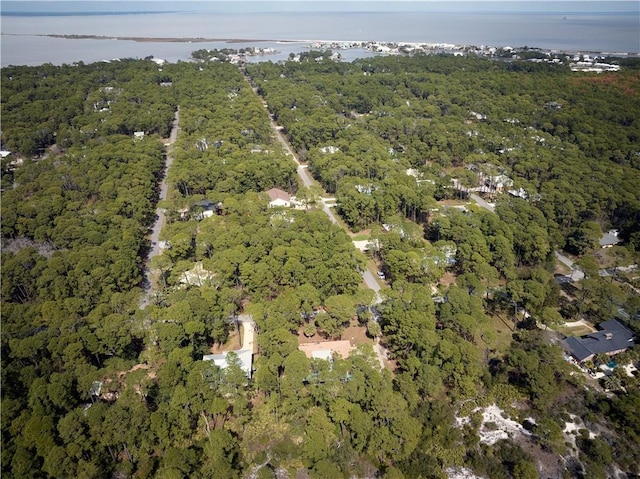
<point>161,39</point>
<point>232,344</point>
<point>448,279</point>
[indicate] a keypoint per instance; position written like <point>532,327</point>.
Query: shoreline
<point>155,39</point>
<point>174,49</point>
<point>328,44</point>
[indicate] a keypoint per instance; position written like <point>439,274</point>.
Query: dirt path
<point>147,282</point>
<point>579,324</point>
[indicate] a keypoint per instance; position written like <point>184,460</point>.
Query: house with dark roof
<point>613,338</point>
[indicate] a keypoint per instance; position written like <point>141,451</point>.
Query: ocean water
<point>598,26</point>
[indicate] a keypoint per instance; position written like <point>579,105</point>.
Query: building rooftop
<point>609,239</point>
<point>611,338</point>
<point>244,355</point>
<point>325,349</point>
<point>278,194</point>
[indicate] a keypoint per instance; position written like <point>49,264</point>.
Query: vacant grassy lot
<point>496,334</point>
<point>578,330</point>
<point>360,237</point>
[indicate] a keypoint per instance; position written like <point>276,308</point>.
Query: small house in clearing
<point>613,338</point>
<point>206,209</point>
<point>245,358</point>
<point>609,239</point>
<point>326,349</point>
<point>278,197</point>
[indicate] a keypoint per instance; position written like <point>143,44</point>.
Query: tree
<point>319,437</point>
<point>373,328</point>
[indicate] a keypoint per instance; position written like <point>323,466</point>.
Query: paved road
<point>303,173</point>
<point>482,203</point>
<point>307,180</point>
<point>164,187</point>
<point>160,218</point>
<point>564,260</point>
<point>576,273</point>
<point>330,214</point>
<point>372,284</point>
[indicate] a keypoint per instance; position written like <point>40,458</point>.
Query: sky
<point>302,1</point>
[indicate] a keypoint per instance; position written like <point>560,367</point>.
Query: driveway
<point>482,203</point>
<point>248,332</point>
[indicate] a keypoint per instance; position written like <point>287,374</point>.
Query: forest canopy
<point>98,383</point>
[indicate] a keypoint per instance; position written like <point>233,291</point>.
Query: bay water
<point>594,26</point>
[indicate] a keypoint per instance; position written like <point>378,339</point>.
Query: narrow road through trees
<point>307,180</point>
<point>147,282</point>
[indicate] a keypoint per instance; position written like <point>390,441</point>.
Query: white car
<point>381,275</point>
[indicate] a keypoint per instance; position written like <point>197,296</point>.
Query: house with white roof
<point>245,354</point>
<point>221,360</point>
<point>329,149</point>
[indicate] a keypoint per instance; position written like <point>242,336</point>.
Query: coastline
<point>322,44</point>
<point>375,46</point>
<point>163,39</point>
<point>68,38</point>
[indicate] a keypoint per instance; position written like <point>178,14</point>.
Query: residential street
<point>576,273</point>
<point>307,180</point>
<point>159,223</point>
<point>372,284</point>
<point>302,171</point>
